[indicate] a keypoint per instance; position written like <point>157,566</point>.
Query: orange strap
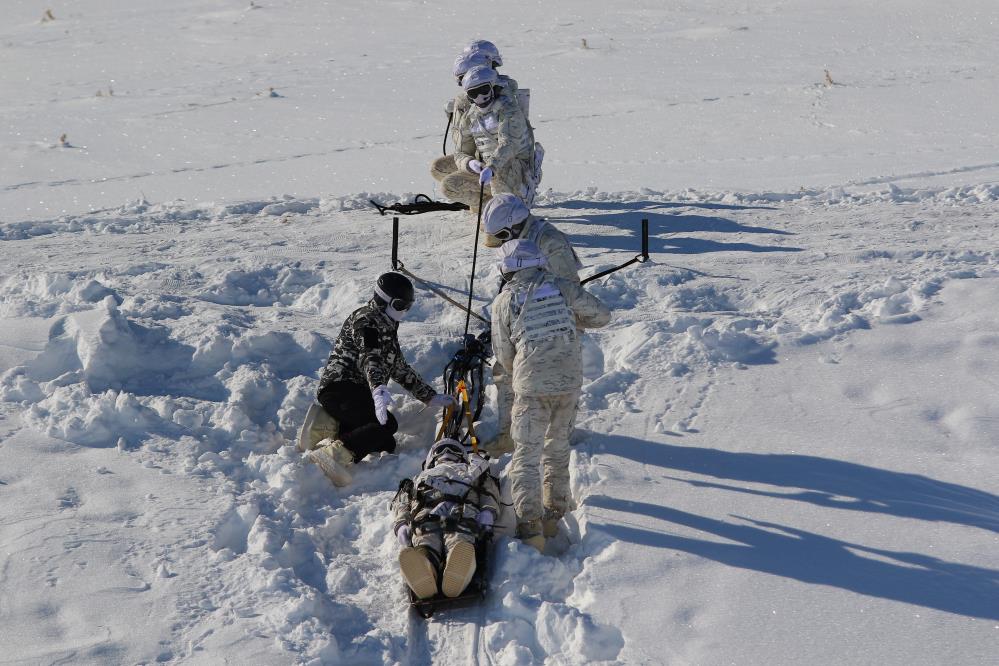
<point>463,392</point>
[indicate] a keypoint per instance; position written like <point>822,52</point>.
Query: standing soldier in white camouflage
<point>535,336</point>
<point>352,389</point>
<point>507,218</point>
<point>495,140</point>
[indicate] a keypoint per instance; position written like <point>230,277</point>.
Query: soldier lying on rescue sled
<point>439,516</point>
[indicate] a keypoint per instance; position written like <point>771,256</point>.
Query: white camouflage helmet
<point>500,216</point>
<point>478,84</point>
<point>520,254</point>
<point>446,448</point>
<point>488,48</point>
<point>466,61</point>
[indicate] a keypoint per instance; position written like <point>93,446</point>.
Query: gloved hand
<point>475,166</point>
<point>442,400</point>
<point>383,400</point>
<point>449,107</point>
<point>404,535</point>
<point>485,176</point>
<point>485,519</point>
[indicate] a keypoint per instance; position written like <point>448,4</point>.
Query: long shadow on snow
<point>634,206</point>
<point>811,558</point>
<point>661,228</point>
<point>835,484</point>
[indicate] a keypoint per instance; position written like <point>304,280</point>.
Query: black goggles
<point>400,304</point>
<point>504,234</point>
<point>484,89</point>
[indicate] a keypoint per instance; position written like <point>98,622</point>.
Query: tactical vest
<point>541,314</point>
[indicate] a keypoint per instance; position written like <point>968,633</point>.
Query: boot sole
<point>459,569</point>
<point>418,572</point>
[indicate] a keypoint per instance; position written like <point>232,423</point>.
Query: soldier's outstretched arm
<point>466,151</point>
<point>590,311</point>
<point>411,380</point>
<point>503,347</point>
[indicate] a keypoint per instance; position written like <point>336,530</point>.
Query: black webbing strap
<point>639,258</point>
<point>421,204</point>
<point>450,117</point>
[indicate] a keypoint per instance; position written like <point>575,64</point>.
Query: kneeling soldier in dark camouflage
<point>438,517</point>
<point>352,390</point>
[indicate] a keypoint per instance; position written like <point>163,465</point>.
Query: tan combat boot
<point>549,523</point>
<point>335,459</point>
<point>459,569</point>
<point>418,571</point>
<point>530,533</point>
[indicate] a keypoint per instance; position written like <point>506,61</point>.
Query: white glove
<point>383,400</point>
<point>449,107</point>
<point>404,535</point>
<point>486,176</point>
<point>442,400</point>
<point>485,519</point>
<point>475,166</point>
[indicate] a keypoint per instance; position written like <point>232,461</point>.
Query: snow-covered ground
<point>787,438</point>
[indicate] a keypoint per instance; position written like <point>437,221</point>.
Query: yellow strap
<point>463,391</point>
<point>447,417</point>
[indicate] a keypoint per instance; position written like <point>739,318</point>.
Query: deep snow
<point>786,443</point>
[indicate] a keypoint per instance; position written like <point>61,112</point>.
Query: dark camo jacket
<point>367,352</point>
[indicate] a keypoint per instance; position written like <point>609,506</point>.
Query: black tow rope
<point>463,375</point>
<point>421,204</point>
<point>639,258</point>
<point>397,265</point>
<point>447,129</point>
<point>475,256</point>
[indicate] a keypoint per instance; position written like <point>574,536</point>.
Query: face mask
<point>481,96</point>
<point>394,314</point>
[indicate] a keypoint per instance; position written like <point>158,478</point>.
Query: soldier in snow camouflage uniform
<point>438,515</point>
<point>535,336</point>
<point>497,144</point>
<point>353,389</point>
<point>507,218</point>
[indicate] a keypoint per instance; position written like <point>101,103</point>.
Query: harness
<point>467,365</point>
<point>455,519</point>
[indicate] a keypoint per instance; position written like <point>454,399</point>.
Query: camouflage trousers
<point>440,544</point>
<point>460,185</point>
<point>541,427</point>
<point>504,397</point>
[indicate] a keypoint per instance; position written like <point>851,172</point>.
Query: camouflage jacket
<point>535,332</point>
<point>367,352</point>
<point>562,259</point>
<point>498,135</point>
<point>459,106</point>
